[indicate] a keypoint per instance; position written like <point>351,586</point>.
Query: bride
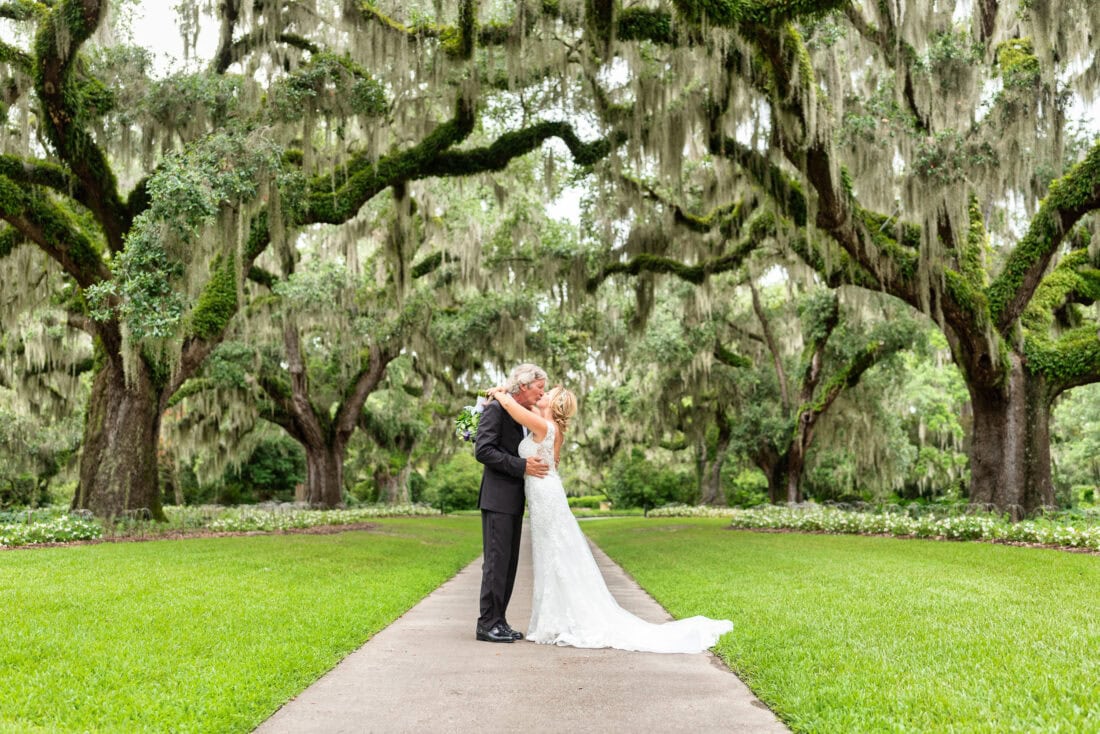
<point>572,605</point>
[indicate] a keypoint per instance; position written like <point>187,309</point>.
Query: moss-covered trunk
<point>796,465</point>
<point>711,462</point>
<point>774,465</point>
<point>118,466</point>
<point>393,486</point>
<point>324,475</point>
<point>1010,447</point>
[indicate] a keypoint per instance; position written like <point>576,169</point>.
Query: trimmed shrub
<point>454,484</point>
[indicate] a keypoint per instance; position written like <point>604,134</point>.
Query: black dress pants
<point>500,535</point>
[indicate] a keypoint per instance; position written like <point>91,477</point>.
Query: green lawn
<point>864,634</point>
<point>203,635</point>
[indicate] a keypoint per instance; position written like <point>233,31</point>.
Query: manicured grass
<point>203,635</point>
<point>864,634</point>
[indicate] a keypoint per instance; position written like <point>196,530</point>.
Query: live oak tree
<point>926,150</point>
<point>922,149</point>
<point>157,198</point>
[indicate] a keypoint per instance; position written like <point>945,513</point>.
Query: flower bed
<point>57,525</point>
<point>59,528</point>
<point>1073,531</point>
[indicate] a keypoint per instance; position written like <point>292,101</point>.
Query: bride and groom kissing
<point>519,440</point>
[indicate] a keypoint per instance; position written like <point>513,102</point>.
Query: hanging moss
<point>600,20</point>
<point>218,301</point>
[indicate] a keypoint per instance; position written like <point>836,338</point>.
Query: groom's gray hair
<point>524,375</point>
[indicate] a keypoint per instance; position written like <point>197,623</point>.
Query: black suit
<point>501,501</point>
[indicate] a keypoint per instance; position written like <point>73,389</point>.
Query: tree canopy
<point>937,153</point>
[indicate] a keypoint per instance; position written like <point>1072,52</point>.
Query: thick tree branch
<point>691,273</point>
<point>60,36</point>
<point>262,277</point>
<point>1070,198</point>
<point>1070,361</point>
<point>730,358</point>
<point>257,40</point>
<point>42,222</point>
<point>733,13</point>
<point>815,350</point>
<point>729,216</point>
<point>503,150</point>
<point>366,179</point>
<point>773,349</point>
<point>314,431</point>
<point>42,173</point>
<point>366,382</point>
<point>229,12</point>
<point>898,55</point>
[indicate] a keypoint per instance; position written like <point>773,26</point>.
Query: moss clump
<point>731,13</point>
<point>643,24</point>
<point>218,301</point>
<point>1071,360</point>
<point>1069,198</point>
<point>970,259</point>
<point>1017,63</point>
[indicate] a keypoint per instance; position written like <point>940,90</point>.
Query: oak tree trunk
<point>324,475</point>
<point>1010,448</point>
<point>118,466</point>
<point>393,487</point>
<point>710,474</point>
<point>774,466</point>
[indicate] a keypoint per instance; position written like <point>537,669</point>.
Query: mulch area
<point>201,533</point>
<point>1017,543</point>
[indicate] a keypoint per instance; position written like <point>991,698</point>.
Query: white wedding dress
<point>572,605</point>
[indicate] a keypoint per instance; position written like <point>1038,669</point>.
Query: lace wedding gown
<point>572,605</point>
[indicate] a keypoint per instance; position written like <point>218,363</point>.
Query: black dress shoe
<point>516,634</point>
<point>497,633</point>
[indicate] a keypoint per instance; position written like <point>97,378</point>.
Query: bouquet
<point>467,420</point>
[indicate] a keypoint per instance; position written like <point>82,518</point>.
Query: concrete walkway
<point>427,673</point>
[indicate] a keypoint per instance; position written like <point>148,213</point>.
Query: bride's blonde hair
<point>563,405</point>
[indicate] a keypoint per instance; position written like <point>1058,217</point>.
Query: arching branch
<point>773,348</point>
<point>244,46</point>
<point>59,39</point>
<point>729,216</point>
<point>508,146</point>
<point>691,273</point>
<point>897,54</point>
<point>44,223</point>
<point>366,382</point>
<point>365,179</point>
<point>1070,198</point>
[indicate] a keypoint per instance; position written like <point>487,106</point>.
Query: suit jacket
<point>498,437</point>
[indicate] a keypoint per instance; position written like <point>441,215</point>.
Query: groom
<point>501,500</point>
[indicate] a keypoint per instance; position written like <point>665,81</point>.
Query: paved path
<point>426,673</point>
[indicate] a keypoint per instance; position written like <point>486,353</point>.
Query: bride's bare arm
<point>524,416</point>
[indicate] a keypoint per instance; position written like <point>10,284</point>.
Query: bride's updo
<point>563,405</point>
